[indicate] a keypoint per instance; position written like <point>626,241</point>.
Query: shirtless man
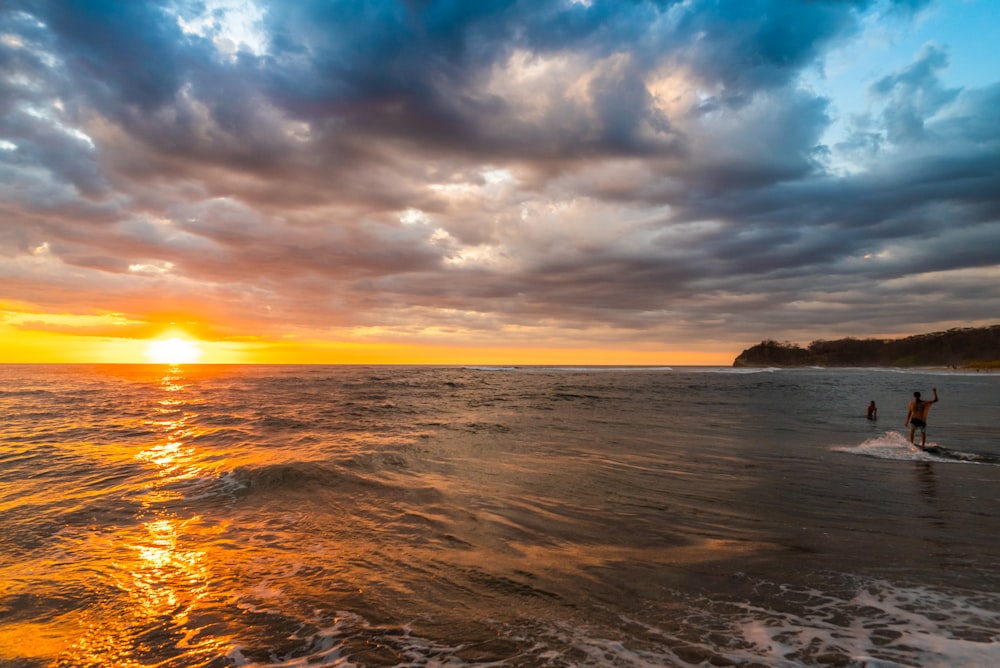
<point>916,417</point>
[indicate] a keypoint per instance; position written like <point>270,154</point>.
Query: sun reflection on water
<point>160,568</point>
<point>159,578</point>
<point>162,565</point>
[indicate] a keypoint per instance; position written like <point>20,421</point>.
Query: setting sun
<point>173,351</point>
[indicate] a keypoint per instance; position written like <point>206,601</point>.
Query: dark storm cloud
<point>751,46</point>
<point>648,168</point>
<point>137,43</point>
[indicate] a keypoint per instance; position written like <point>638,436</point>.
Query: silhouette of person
<point>916,416</point>
<point>872,412</point>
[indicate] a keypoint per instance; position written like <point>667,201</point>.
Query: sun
<point>173,351</point>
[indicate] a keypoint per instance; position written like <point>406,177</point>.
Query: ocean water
<point>457,516</point>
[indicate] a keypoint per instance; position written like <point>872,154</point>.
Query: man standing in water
<point>916,417</point>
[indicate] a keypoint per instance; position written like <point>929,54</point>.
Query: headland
<point>973,348</point>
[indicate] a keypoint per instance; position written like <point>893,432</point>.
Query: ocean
<point>495,516</point>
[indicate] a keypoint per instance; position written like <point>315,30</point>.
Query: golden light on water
<point>162,565</point>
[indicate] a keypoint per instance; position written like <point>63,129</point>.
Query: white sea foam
<point>880,625</point>
<point>889,445</point>
<point>874,624</point>
<point>895,445</point>
<point>738,371</point>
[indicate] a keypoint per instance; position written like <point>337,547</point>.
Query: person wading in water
<point>916,417</point>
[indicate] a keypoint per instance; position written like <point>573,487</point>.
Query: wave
<point>845,622</point>
<point>739,371</point>
<point>896,446</point>
<point>299,476</point>
<point>27,393</point>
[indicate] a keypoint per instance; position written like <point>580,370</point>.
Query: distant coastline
<point>973,348</point>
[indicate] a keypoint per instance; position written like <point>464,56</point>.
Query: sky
<point>498,181</point>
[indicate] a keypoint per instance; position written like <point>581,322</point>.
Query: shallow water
<point>382,516</point>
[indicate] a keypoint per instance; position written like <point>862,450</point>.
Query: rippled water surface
<point>419,516</point>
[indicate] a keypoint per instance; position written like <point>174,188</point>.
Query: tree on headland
<point>971,347</point>
<point>772,353</point>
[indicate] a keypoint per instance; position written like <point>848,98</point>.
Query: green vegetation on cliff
<point>972,347</point>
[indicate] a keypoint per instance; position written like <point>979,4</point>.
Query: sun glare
<point>173,351</point>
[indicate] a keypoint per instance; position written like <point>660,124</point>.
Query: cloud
<point>914,95</point>
<point>635,172</point>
